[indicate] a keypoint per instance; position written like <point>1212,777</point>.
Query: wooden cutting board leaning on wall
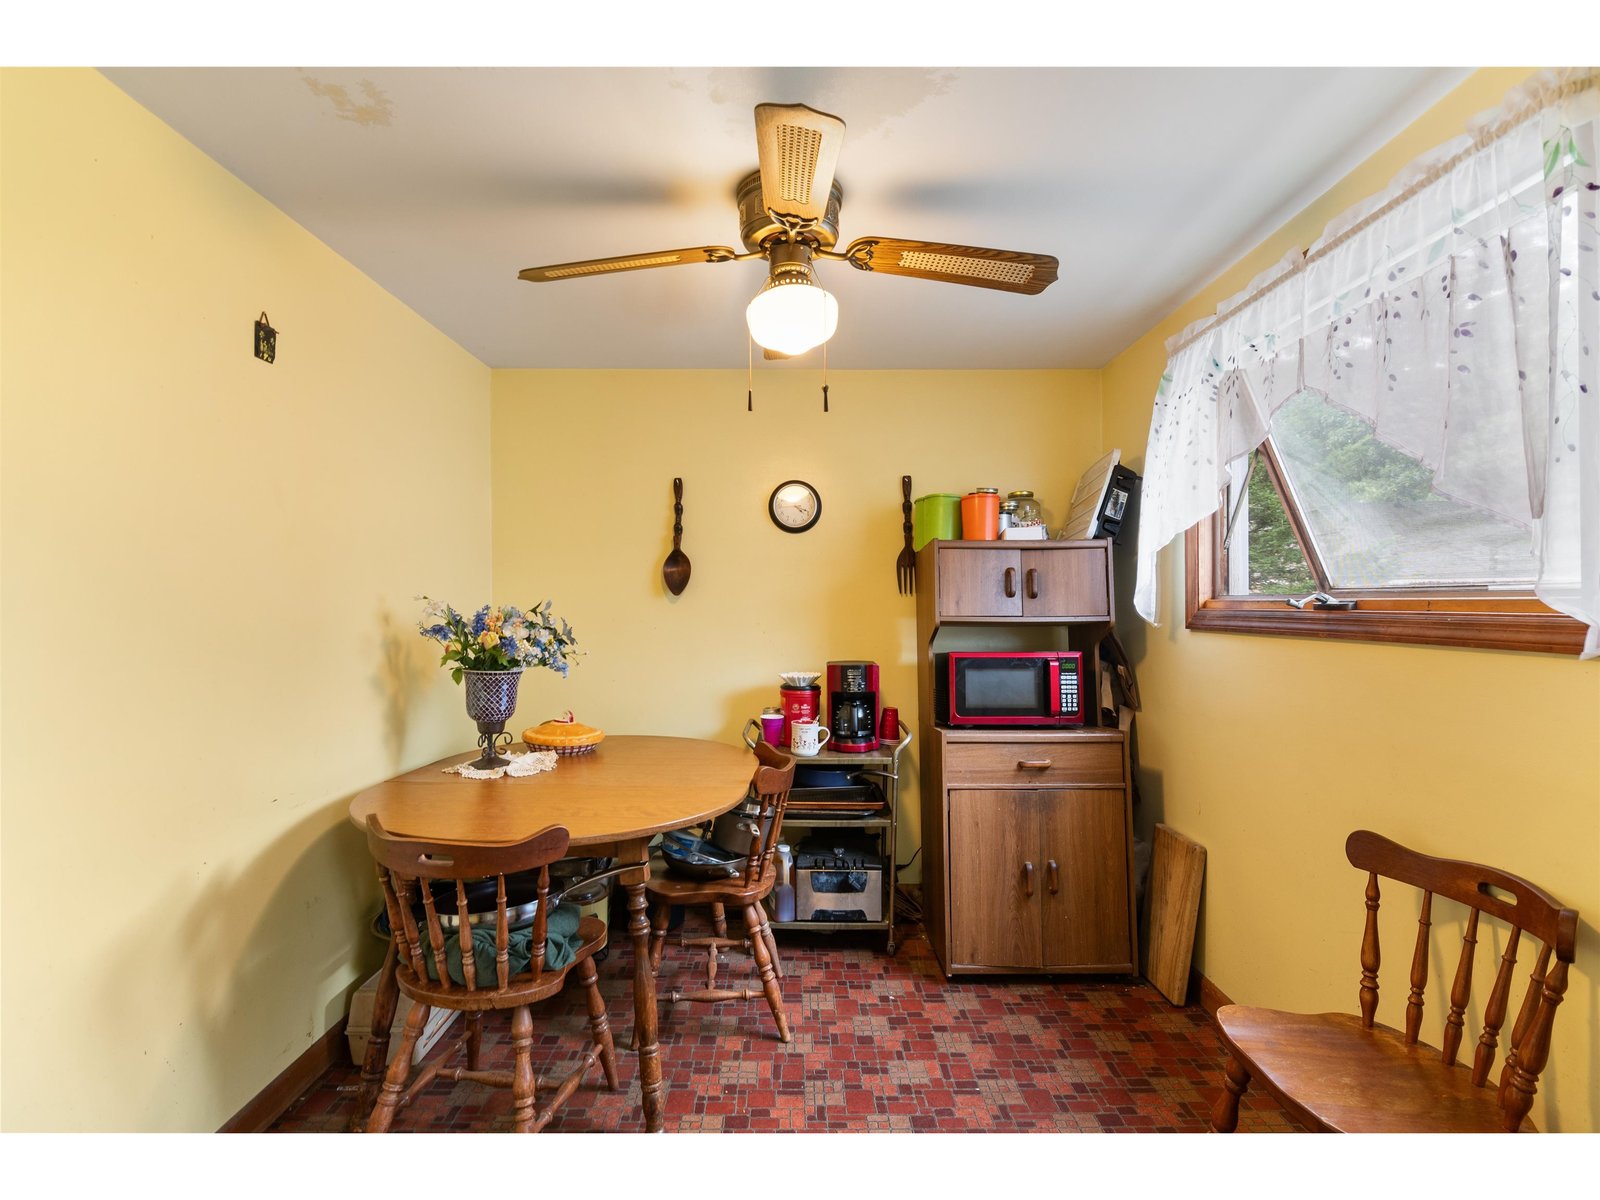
<point>1177,867</point>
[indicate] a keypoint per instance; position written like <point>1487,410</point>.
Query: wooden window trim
<point>1477,621</point>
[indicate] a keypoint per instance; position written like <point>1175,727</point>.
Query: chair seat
<point>674,890</point>
<point>526,990</point>
<point>1354,1080</point>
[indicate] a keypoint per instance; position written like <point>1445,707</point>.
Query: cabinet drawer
<point>1035,765</point>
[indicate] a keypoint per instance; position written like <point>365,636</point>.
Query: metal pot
<point>738,829</point>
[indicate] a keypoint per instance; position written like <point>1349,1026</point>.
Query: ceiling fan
<point>789,215</point>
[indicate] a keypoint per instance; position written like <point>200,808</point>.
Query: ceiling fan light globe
<point>791,318</point>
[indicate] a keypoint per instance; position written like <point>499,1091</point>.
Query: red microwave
<point>1040,688</point>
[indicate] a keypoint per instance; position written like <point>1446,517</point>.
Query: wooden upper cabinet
<point>1041,582</point>
<point>980,581</point>
<point>1068,582</point>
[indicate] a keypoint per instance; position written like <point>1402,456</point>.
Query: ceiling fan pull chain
<point>824,376</point>
<point>749,374</point>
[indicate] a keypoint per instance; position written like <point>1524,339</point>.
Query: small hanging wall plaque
<point>266,339</point>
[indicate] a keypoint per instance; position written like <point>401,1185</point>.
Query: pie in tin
<point>564,735</point>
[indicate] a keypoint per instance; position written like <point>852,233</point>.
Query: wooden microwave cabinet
<point>1027,833</point>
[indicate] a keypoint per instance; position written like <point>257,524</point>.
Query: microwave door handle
<point>1054,705</point>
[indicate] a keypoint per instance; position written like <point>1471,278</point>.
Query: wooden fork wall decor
<point>905,567</point>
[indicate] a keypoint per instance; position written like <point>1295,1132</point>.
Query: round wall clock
<point>794,506</point>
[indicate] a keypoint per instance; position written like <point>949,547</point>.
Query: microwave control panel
<point>1070,692</point>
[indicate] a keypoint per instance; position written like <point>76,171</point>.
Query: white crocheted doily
<point>529,763</point>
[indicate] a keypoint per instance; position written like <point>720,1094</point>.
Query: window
<point>1395,429</point>
<point>1323,507</point>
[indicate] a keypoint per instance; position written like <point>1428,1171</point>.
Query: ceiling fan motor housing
<point>757,228</point>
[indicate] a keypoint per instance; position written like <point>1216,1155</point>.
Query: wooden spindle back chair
<point>756,877</point>
<point>1343,1072</point>
<point>410,872</point>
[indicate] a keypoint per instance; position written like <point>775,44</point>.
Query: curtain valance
<point>1457,313</point>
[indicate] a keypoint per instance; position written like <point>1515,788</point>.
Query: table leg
<point>376,1061</point>
<point>646,1028</point>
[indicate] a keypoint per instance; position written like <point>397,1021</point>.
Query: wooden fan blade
<point>799,149</point>
<point>1006,270</point>
<point>627,262</point>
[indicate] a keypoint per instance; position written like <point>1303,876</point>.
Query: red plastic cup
<point>889,725</point>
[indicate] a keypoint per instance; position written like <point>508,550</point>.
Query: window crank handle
<point>1322,602</point>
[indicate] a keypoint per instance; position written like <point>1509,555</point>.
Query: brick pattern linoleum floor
<point>881,1045</point>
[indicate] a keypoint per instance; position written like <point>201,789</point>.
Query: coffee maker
<point>853,707</point>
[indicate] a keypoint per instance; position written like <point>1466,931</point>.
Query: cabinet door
<point>1069,582</point>
<point>979,581</point>
<point>1084,844</point>
<point>994,922</point>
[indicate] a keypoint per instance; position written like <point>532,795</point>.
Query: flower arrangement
<point>499,639</point>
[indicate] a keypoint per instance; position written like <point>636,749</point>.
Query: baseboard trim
<point>1211,997</point>
<point>270,1103</point>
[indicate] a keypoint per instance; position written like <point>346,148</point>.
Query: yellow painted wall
<point>583,470</point>
<point>208,623</point>
<point>1269,751</point>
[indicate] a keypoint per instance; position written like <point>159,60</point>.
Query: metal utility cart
<point>883,767</point>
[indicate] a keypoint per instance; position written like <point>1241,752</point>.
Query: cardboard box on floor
<point>358,1029</point>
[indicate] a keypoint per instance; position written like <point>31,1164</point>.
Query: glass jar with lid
<point>1028,511</point>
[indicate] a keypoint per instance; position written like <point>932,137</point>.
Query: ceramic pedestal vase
<point>491,699</point>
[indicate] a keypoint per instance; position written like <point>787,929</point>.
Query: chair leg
<point>1225,1112</point>
<point>769,978</point>
<point>772,942</point>
<point>474,1040</point>
<point>599,1027</point>
<point>394,1080</point>
<point>523,1083</point>
<point>719,920</point>
<point>658,934</point>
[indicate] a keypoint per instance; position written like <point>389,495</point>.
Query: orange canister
<point>980,515</point>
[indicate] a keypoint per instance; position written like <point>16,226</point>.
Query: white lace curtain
<point>1457,313</point>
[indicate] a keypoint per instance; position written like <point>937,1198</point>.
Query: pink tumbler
<point>772,726</point>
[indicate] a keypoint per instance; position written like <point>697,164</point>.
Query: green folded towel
<point>561,946</point>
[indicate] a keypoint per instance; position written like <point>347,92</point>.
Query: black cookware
<point>697,858</point>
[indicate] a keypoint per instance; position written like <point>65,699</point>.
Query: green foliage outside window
<point>1276,565</point>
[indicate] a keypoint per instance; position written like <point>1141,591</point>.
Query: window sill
<point>1484,624</point>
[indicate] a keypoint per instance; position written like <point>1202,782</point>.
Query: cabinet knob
<point>1033,583</point>
<point>1034,764</point>
<point>1027,879</point>
<point>1011,583</point>
<point>1052,876</point>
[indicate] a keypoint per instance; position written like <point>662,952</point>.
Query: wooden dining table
<point>612,801</point>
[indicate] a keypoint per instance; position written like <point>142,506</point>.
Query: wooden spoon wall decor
<point>675,571</point>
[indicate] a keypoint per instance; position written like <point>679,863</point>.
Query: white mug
<point>807,737</point>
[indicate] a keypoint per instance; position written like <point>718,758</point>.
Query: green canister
<point>935,517</point>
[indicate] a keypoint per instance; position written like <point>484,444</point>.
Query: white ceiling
<point>442,183</point>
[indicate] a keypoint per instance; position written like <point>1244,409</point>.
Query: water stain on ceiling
<point>376,111</point>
